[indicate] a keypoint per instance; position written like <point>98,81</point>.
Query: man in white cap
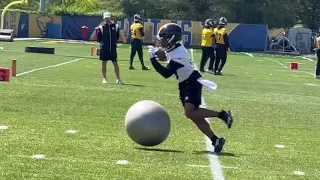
<point>108,34</point>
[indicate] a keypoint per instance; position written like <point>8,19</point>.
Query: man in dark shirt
<point>108,34</point>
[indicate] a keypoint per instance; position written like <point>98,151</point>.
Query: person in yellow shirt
<point>207,44</point>
<point>137,36</point>
<point>222,46</point>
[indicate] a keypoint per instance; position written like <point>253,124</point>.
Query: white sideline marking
<point>4,127</point>
<point>205,166</point>
<point>122,162</point>
<point>249,54</point>
<point>280,146</point>
<point>284,66</point>
<point>72,131</point>
<point>215,165</point>
<point>198,166</point>
<point>52,66</point>
<point>308,73</point>
<point>307,58</point>
<point>310,84</point>
<point>38,156</point>
<point>298,173</point>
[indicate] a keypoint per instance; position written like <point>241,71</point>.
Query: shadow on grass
<point>160,150</point>
<point>218,154</point>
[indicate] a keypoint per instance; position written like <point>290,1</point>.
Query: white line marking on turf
<point>249,54</point>
<point>284,66</point>
<point>72,131</point>
<point>122,162</point>
<point>52,66</point>
<point>310,84</point>
<point>280,146</point>
<point>215,165</point>
<point>307,72</point>
<point>298,173</point>
<point>307,59</point>
<point>200,166</point>
<point>38,156</point>
<point>4,127</point>
<point>205,166</point>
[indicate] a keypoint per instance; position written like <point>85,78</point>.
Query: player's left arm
<point>99,33</point>
<point>141,31</point>
<point>117,32</point>
<point>168,71</point>
<point>226,40</point>
<point>213,35</point>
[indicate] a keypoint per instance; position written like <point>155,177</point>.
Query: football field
<point>275,134</point>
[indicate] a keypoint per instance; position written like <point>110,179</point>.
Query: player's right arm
<point>168,71</point>
<point>99,33</point>
<point>141,30</point>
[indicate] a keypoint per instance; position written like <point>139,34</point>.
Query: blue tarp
<point>71,26</point>
<point>249,37</point>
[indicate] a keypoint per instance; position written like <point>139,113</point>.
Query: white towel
<point>211,86</point>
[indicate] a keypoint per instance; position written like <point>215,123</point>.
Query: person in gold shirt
<point>222,46</point>
<point>137,36</point>
<point>207,45</point>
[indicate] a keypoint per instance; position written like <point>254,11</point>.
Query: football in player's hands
<point>161,54</point>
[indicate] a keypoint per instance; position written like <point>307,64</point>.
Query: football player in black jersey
<point>190,86</point>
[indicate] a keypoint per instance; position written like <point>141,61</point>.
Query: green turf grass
<point>41,106</point>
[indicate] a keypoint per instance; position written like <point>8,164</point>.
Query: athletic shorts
<point>108,56</point>
<point>190,92</point>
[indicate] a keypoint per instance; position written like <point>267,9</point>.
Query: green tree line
<point>275,13</point>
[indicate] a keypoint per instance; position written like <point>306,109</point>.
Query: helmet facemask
<point>165,42</point>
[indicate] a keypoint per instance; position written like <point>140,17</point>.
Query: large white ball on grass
<point>147,123</point>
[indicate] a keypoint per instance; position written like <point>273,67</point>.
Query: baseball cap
<point>106,15</point>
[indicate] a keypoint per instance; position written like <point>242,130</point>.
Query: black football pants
<point>318,63</point>
<point>318,68</point>
<point>136,46</point>
<point>221,58</point>
<point>207,52</point>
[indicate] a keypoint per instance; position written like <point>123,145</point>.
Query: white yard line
<point>284,66</point>
<point>249,54</point>
<point>307,58</point>
<point>215,165</point>
<point>46,67</point>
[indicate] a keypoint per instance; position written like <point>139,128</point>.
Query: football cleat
<point>145,68</point>
<point>226,116</point>
<point>218,145</point>
<point>119,82</point>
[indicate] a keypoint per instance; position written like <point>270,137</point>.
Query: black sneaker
<point>218,145</point>
<point>226,116</point>
<point>219,73</point>
<point>132,68</point>
<point>145,68</point>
